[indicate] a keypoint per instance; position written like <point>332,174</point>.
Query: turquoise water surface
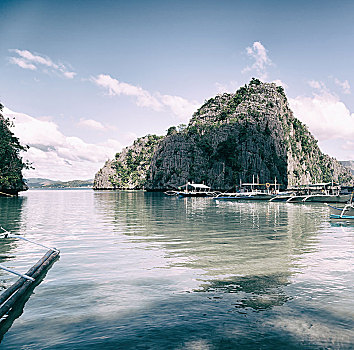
<point>143,270</point>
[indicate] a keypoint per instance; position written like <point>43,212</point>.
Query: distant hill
<point>348,164</point>
<point>36,182</point>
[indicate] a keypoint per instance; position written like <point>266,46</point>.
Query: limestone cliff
<point>11,164</point>
<point>129,168</point>
<point>235,136</point>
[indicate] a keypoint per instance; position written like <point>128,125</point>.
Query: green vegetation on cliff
<point>130,167</point>
<point>11,163</point>
<point>235,136</point>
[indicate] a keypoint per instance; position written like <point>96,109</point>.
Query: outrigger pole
<point>16,273</point>
<point>10,235</point>
<point>17,292</point>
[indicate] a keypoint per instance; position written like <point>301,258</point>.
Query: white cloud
<point>35,58</point>
<point>115,87</point>
<point>261,60</point>
<point>57,156</point>
<point>69,75</point>
<point>230,87</point>
<point>349,145</point>
<point>280,83</point>
<point>326,116</point>
<point>179,106</point>
<point>318,85</point>
<point>28,60</point>
<point>22,63</point>
<point>129,137</point>
<point>321,86</point>
<point>94,124</point>
<point>344,85</point>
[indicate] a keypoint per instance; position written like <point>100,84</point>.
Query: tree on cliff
<point>11,163</point>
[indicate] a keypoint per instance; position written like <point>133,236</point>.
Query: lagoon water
<point>147,271</point>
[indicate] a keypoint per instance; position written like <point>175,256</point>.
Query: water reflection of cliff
<point>249,248</point>
<point>10,218</point>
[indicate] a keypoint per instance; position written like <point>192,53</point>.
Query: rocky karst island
<point>229,139</point>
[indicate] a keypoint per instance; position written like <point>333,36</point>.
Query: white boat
<point>327,192</point>
<point>327,198</point>
<point>282,197</point>
<point>252,191</point>
<point>192,190</point>
<point>236,196</point>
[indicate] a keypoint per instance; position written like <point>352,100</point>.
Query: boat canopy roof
<point>257,184</point>
<point>319,184</point>
<point>196,185</point>
<point>324,184</point>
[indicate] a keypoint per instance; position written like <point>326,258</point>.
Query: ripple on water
<point>144,270</point>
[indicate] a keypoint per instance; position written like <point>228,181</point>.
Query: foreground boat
<point>345,212</point>
<point>13,298</point>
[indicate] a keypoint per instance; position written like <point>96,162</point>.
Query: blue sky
<point>84,78</point>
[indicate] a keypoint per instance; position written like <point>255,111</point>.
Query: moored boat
<point>327,198</point>
<point>252,191</point>
<point>192,190</point>
<point>236,196</point>
<point>282,197</point>
<point>319,192</point>
<point>339,212</point>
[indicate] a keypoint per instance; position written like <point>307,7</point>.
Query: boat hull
<point>194,194</point>
<point>245,196</point>
<point>280,198</point>
<point>236,198</point>
<point>328,198</point>
<point>347,210</point>
<point>297,199</point>
<point>341,217</point>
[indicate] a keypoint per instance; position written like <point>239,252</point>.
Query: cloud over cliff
<point>55,155</point>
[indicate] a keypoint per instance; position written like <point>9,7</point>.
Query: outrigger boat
<point>252,191</point>
<point>282,197</point>
<point>346,212</point>
<point>319,192</point>
<point>192,190</point>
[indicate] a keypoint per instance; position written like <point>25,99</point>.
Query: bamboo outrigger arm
<point>16,273</point>
<point>10,235</point>
<point>17,291</point>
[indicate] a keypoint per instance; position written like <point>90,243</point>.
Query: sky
<point>85,78</point>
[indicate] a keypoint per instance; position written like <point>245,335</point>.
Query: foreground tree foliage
<point>11,163</point>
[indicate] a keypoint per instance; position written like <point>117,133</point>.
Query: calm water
<point>147,271</point>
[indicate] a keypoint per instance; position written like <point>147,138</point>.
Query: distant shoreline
<point>60,188</point>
